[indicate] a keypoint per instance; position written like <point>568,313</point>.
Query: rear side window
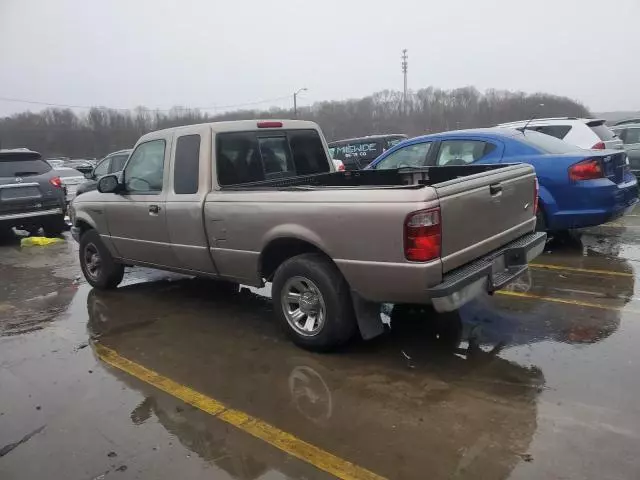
<point>22,166</point>
<point>245,157</point>
<point>603,133</point>
<point>187,164</point>
<point>558,131</point>
<point>546,143</point>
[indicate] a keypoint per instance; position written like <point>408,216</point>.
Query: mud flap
<point>368,317</point>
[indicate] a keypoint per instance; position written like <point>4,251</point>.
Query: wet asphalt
<point>539,382</point>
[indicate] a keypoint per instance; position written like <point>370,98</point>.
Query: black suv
<point>31,193</point>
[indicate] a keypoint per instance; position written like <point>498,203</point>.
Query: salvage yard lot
<point>543,383</point>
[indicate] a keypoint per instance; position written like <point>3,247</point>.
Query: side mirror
<point>109,184</point>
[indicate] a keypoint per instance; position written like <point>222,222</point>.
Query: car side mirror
<point>109,184</point>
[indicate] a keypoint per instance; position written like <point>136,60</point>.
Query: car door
<point>414,155</point>
<point>137,216</point>
<point>185,197</point>
<point>465,151</point>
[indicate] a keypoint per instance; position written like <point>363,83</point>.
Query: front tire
<point>312,302</point>
<point>97,264</point>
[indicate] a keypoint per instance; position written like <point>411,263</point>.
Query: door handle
<point>495,189</point>
<point>154,209</point>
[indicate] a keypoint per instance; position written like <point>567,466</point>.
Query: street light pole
<point>295,101</point>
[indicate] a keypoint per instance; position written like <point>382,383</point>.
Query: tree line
<point>99,131</point>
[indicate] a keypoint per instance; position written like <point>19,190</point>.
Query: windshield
<point>547,143</point>
<point>22,166</point>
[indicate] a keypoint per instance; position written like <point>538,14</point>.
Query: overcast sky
<point>216,53</point>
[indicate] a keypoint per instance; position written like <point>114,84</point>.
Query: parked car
<point>357,153</point>
<point>629,133</point>
<point>588,133</point>
<point>31,193</point>
<point>71,180</point>
<point>112,163</point>
<point>260,201</point>
<point>627,121</point>
<point>84,166</point>
<point>578,188</point>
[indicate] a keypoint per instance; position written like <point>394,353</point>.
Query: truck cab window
<point>309,156</point>
<point>145,171</point>
<point>276,157</point>
<point>187,164</point>
<point>238,158</point>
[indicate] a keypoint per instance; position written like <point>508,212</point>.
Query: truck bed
<point>402,177</point>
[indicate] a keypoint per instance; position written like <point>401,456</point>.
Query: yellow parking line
<point>274,436</point>
<point>566,301</point>
<point>546,266</point>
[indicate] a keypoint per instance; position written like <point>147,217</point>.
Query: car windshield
<point>547,143</point>
<point>22,166</point>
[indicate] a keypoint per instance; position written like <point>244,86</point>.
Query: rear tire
<point>97,264</point>
<point>312,302</point>
<point>54,226</point>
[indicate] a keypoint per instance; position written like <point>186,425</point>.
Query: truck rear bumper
<point>489,273</point>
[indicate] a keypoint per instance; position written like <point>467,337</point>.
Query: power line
<point>89,107</point>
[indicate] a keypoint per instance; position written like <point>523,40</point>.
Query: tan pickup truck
<point>250,202</point>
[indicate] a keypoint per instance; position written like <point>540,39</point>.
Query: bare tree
<point>61,132</point>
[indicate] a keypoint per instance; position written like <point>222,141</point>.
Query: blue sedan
<point>578,188</point>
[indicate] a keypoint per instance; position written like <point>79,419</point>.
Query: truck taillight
<point>422,235</point>
<point>586,170</point>
<point>599,146</point>
<point>536,192</point>
<point>56,182</point>
<point>269,124</point>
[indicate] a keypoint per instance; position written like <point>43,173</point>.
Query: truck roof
<point>240,126</point>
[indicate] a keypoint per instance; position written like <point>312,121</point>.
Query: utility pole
<point>405,64</point>
<point>295,102</point>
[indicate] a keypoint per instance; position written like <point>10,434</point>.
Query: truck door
<point>190,182</point>
<point>137,217</point>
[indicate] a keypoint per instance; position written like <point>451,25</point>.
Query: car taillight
<point>585,170</point>
<point>56,182</point>
<point>536,191</point>
<point>422,235</point>
<point>599,146</point>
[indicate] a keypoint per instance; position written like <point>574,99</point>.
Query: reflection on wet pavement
<point>509,387</point>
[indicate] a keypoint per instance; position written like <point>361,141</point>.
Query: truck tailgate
<point>480,213</point>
